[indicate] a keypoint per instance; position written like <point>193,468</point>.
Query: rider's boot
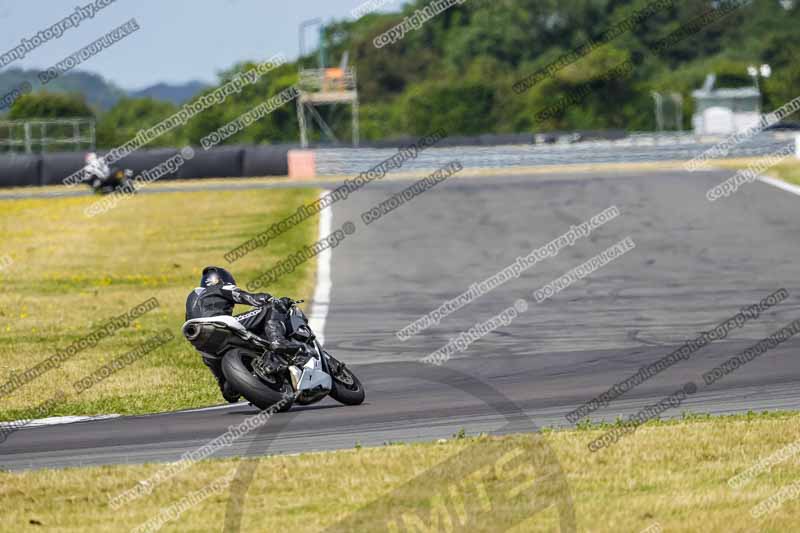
<point>230,395</point>
<point>215,365</point>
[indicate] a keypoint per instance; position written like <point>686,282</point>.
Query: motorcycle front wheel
<point>237,365</point>
<point>347,388</point>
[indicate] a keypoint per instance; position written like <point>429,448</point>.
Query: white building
<point>725,111</point>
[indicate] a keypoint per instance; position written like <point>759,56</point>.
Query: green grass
<point>789,172</point>
<point>71,273</point>
<point>671,473</point>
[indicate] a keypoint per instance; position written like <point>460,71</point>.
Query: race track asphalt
<point>695,264</point>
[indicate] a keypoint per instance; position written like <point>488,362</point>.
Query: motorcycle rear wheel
<point>237,365</point>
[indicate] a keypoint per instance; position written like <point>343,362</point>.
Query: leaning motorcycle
<point>105,180</point>
<point>118,180</point>
<point>266,378</point>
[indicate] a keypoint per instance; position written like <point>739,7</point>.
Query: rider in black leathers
<point>217,295</point>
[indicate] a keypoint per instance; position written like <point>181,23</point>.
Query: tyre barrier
<point>144,160</point>
<point>267,160</point>
<point>56,166</point>
<point>222,162</point>
<point>18,170</point>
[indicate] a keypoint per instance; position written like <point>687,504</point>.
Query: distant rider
<point>97,170</point>
<point>103,178</point>
<point>217,295</point>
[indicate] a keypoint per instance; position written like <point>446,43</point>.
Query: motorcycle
<point>266,378</point>
<point>105,180</point>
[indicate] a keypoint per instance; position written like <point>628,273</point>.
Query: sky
<point>178,40</point>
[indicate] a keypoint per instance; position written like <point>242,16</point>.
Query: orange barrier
<point>302,164</point>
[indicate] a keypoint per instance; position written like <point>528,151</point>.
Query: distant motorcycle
<point>103,179</point>
<point>265,378</point>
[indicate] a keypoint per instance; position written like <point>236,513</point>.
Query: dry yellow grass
<point>71,273</point>
<point>672,474</point>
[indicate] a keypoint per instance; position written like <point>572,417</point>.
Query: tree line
<point>457,71</point>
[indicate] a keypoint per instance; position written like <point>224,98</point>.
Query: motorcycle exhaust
<point>191,331</point>
<point>207,338</point>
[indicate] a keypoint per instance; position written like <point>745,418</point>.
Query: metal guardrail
<point>635,148</point>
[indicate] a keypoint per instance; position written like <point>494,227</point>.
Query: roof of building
<point>741,92</point>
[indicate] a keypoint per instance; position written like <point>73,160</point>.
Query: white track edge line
<point>780,184</point>
<point>322,291</point>
<point>319,314</point>
<point>52,421</point>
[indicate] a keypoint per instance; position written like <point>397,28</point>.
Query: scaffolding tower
<point>34,136</point>
<point>326,86</point>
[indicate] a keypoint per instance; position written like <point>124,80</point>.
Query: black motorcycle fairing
<point>298,326</point>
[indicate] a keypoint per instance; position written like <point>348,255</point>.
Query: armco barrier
<point>16,170</point>
<point>489,139</point>
<point>632,149</point>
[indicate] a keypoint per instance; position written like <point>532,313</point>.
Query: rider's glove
<point>302,355</point>
<point>263,298</point>
<point>283,304</point>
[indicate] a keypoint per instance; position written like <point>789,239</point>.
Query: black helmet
<point>215,275</point>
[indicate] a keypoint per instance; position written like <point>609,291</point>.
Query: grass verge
<point>70,273</point>
<point>788,172</point>
<point>674,474</point>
